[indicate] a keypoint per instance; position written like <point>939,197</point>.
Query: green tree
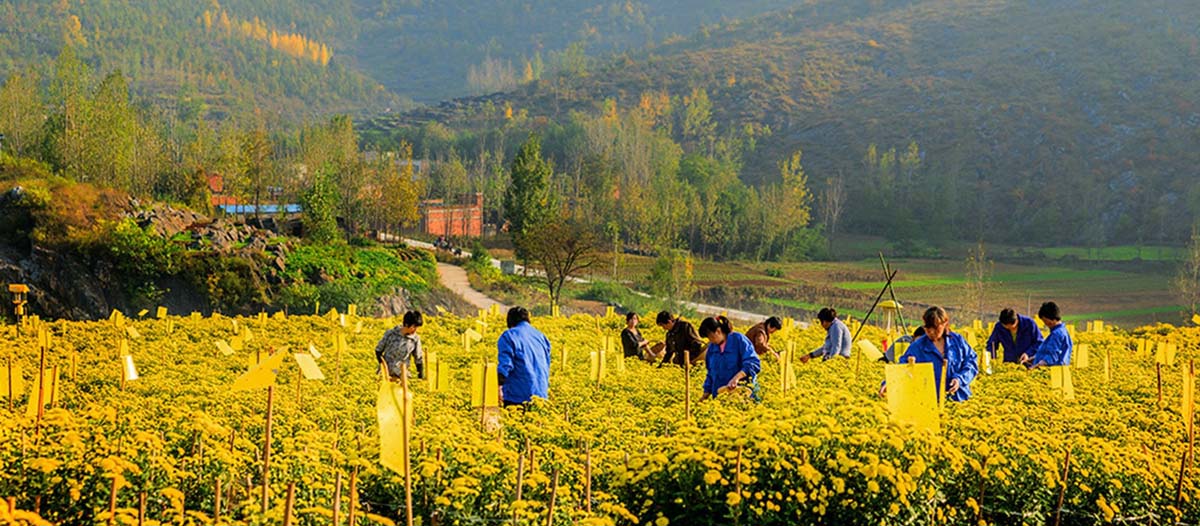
<point>1187,279</point>
<point>257,169</point>
<point>529,202</point>
<point>448,179</point>
<point>320,202</point>
<point>21,114</point>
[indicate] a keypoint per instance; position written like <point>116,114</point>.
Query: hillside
<point>307,58</point>
<point>237,58</point>
<point>1060,122</point>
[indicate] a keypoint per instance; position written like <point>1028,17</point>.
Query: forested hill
<point>1060,121</point>
<point>302,58</point>
<point>284,58</point>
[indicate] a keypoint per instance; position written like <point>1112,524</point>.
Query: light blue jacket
<point>837,342</point>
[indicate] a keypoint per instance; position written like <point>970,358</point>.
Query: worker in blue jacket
<point>1019,335</point>
<point>730,357</point>
<point>940,346</point>
<point>523,361</point>
<point>837,337</point>
<point>1056,348</point>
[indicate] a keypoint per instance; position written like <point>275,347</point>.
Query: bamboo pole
<point>141,520</point>
<point>1062,492</point>
<point>520,483</point>
<point>266,472</point>
<point>54,386</point>
<point>337,499</point>
<point>404,423</point>
<point>10,383</point>
<point>290,504</point>
<point>41,380</point>
<point>217,502</point>
<point>587,485</point>
<point>1158,367</point>
<point>353,496</point>
<point>112,503</point>
<point>687,385</point>
<point>553,498</point>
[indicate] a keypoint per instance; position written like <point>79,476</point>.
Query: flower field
<point>177,446</point>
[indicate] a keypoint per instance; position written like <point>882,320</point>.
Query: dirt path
<point>455,279</point>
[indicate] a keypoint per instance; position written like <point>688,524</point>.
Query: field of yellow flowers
<point>176,446</point>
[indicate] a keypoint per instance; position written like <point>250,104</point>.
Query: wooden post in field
<point>353,496</point>
<point>337,499</point>
<point>587,473</point>
<point>289,504</point>
<point>1179,483</point>
<point>74,364</point>
<point>1158,367</point>
<point>54,387</point>
<point>217,502</point>
<point>404,425</point>
<point>10,384</point>
<point>141,520</point>
<point>520,481</point>
<point>112,503</point>
<point>266,473</point>
<point>687,385</point>
<point>737,473</point>
<point>1062,493</point>
<point>553,498</point>
<point>41,389</point>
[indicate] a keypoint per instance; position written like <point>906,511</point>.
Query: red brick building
<point>452,220</point>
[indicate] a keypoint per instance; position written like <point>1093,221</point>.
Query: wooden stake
<point>10,384</point>
<point>1179,483</point>
<point>687,385</point>
<point>553,498</point>
<point>112,503</point>
<point>41,380</point>
<point>217,502</point>
<point>266,472</point>
<point>289,504</point>
<point>74,364</point>
<point>1062,493</point>
<point>353,496</point>
<point>520,482</point>
<point>404,425</point>
<point>737,474</point>
<point>54,387</point>
<point>1158,367</point>
<point>337,499</point>
<point>141,520</point>
<point>299,383</point>
<point>587,473</point>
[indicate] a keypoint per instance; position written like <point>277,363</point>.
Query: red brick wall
<point>440,219</point>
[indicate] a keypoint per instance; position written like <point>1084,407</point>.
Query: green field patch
<point>1008,278</point>
<point>797,304</point>
<point>1126,313</point>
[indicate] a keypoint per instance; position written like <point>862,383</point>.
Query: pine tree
<point>529,201</point>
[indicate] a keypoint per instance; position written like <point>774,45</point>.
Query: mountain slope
<point>285,58</point>
<point>1065,121</point>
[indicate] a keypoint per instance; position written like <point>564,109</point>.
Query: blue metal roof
<point>264,209</point>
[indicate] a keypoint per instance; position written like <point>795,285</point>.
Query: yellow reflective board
<point>912,395</point>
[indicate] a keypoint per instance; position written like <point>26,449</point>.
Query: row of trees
<point>656,176</point>
<point>91,130</point>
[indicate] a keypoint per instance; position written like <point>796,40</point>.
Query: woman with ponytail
<point>730,357</point>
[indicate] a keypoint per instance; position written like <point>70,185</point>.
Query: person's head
<point>715,329</point>
<point>665,320</point>
<point>826,317</point>
<point>773,324</point>
<point>516,315</point>
<point>413,320</point>
<point>1008,318</point>
<point>937,323</point>
<point>1049,314</point>
<point>918,333</point>
<point>631,319</point>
